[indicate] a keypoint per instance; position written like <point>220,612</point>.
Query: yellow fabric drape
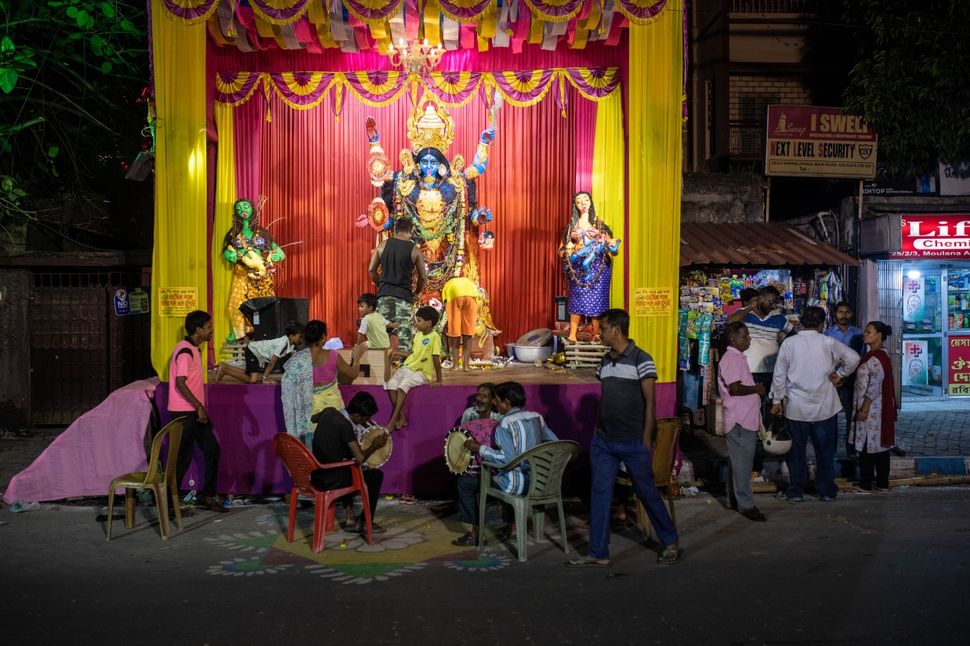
<point>655,179</point>
<point>607,181</point>
<point>180,256</point>
<point>225,198</point>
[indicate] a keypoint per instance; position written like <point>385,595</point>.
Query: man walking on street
<point>624,433</point>
<point>186,398</point>
<point>398,258</point>
<point>844,332</point>
<point>808,367</point>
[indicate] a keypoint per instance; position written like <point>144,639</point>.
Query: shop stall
<point>922,284</point>
<point>717,262</point>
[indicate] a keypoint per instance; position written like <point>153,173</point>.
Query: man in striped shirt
<point>519,431</point>
<point>624,433</point>
<point>768,327</point>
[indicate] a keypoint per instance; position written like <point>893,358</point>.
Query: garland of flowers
<point>452,231</point>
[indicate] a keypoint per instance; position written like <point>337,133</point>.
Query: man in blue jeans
<point>624,433</point>
<point>809,366</point>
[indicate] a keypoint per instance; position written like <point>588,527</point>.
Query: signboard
<point>177,301</point>
<point>810,141</point>
<point>653,301</point>
<point>955,179</point>
<point>915,359</point>
<point>958,373</point>
<point>934,236</point>
<point>134,302</point>
<point>914,300</point>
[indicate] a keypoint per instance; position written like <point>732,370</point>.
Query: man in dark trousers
<point>335,440</point>
<point>398,258</point>
<point>186,399</point>
<point>624,433</point>
<point>844,332</point>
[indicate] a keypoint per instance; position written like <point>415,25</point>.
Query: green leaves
<point>910,80</point>
<point>8,79</point>
<point>10,191</point>
<point>7,46</point>
<point>107,10</point>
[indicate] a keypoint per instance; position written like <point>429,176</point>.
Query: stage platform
<point>245,418</point>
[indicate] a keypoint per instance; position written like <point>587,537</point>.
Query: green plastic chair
<point>547,462</point>
<point>160,480</point>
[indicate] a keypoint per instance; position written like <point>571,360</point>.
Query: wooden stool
<point>379,362</point>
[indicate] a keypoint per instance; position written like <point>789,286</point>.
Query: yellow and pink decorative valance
<point>371,25</point>
<point>305,90</point>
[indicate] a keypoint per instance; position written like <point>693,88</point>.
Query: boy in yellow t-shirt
<point>423,364</point>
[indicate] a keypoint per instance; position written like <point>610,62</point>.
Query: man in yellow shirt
<point>460,296</point>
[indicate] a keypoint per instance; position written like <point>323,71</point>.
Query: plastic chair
<point>161,481</point>
<point>664,455</point>
<point>547,462</point>
<point>299,462</point>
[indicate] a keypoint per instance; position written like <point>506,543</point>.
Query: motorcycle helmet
<point>775,439</point>
<point>774,444</point>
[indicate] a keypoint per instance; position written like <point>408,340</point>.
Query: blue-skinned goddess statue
<point>438,195</point>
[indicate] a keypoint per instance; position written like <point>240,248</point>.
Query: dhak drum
<point>379,457</point>
<point>457,457</point>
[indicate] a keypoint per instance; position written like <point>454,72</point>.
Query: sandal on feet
<point>375,529</point>
<point>466,540</point>
<point>669,555</point>
<point>587,561</point>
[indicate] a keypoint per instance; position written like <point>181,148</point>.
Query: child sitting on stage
<point>379,334</point>
<point>423,364</point>
<point>262,357</point>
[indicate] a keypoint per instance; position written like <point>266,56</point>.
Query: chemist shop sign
<point>958,379</point>
<point>811,141</point>
<point>934,236</point>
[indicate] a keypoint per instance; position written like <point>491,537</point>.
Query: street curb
<point>950,466</point>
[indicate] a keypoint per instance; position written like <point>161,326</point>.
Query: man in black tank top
<point>398,258</point>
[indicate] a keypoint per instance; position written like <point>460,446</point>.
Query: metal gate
<point>80,350</point>
<point>890,290</point>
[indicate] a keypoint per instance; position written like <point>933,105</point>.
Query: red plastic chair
<point>299,462</point>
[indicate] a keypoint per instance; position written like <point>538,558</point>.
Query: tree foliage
<point>910,81</point>
<point>71,74</point>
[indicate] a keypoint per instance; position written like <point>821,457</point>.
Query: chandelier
<point>417,58</point>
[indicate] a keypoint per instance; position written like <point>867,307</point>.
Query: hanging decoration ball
<point>377,214</point>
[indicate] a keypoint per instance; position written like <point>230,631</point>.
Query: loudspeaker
<point>269,315</point>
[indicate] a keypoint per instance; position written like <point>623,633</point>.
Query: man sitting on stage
<point>334,440</point>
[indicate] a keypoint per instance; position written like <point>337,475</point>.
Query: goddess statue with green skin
<point>253,254</point>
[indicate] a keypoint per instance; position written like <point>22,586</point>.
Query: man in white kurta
<point>808,368</point>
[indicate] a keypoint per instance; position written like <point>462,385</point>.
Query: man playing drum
<point>334,440</point>
<point>479,421</point>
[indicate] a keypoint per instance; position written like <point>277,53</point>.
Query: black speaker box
<point>269,315</point>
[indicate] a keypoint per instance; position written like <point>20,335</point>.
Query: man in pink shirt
<point>742,415</point>
<point>186,398</point>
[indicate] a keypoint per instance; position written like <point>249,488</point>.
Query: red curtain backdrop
<point>312,169</point>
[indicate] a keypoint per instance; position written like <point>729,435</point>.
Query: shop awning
<point>754,244</point>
